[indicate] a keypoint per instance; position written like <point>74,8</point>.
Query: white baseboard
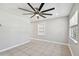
<point>57,43</point>
<point>39,40</point>
<point>14,46</point>
<point>71,50</point>
<point>51,41</point>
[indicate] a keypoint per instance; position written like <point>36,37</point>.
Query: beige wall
<point>56,30</point>
<point>14,30</point>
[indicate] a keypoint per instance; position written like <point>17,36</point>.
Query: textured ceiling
<point>61,9</point>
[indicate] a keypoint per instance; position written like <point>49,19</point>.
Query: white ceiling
<point>61,9</point>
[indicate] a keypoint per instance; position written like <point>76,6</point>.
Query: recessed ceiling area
<point>61,9</point>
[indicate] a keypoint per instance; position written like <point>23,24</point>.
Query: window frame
<point>73,35</point>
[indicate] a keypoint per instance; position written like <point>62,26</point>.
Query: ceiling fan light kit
<point>37,11</point>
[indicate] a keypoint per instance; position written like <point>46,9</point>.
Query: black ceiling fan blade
<point>25,9</point>
<point>48,10</point>
<point>42,4</point>
<point>33,15</point>
<point>42,16</point>
<point>27,14</point>
<point>31,6</point>
<point>46,14</point>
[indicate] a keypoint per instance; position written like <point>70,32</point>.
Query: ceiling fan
<point>37,11</point>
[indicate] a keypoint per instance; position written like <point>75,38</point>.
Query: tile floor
<point>38,48</point>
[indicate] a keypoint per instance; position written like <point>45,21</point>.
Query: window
<point>41,28</point>
<point>73,27</point>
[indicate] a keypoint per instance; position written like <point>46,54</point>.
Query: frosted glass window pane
<point>41,29</point>
<point>73,26</point>
<point>74,19</point>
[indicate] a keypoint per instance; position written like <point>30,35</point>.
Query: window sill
<point>75,41</point>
